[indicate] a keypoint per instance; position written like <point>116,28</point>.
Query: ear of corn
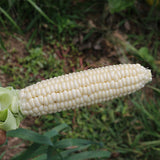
<point>83,88</point>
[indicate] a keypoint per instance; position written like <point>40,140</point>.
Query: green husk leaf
<point>7,120</point>
<point>10,115</point>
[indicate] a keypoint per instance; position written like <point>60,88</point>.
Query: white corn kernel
<point>36,101</point>
<point>31,102</point>
<point>50,100</point>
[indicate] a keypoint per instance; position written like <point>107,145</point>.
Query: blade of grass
<point>31,38</point>
<point>32,23</point>
<point>10,19</point>
<point>150,13</point>
<point>11,3</point>
<point>150,143</point>
<point>155,89</point>
<point>145,111</point>
<point>40,11</point>
<point>2,45</point>
<point>143,134</point>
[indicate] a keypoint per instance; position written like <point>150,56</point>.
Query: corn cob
<point>82,88</point>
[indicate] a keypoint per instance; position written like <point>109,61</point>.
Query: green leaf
<point>30,136</point>
<point>55,131</point>
<point>90,154</point>
<point>119,5</point>
<point>64,143</point>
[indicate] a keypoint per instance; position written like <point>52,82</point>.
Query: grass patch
<point>37,66</point>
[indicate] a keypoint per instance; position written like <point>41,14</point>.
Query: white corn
<point>82,88</point>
